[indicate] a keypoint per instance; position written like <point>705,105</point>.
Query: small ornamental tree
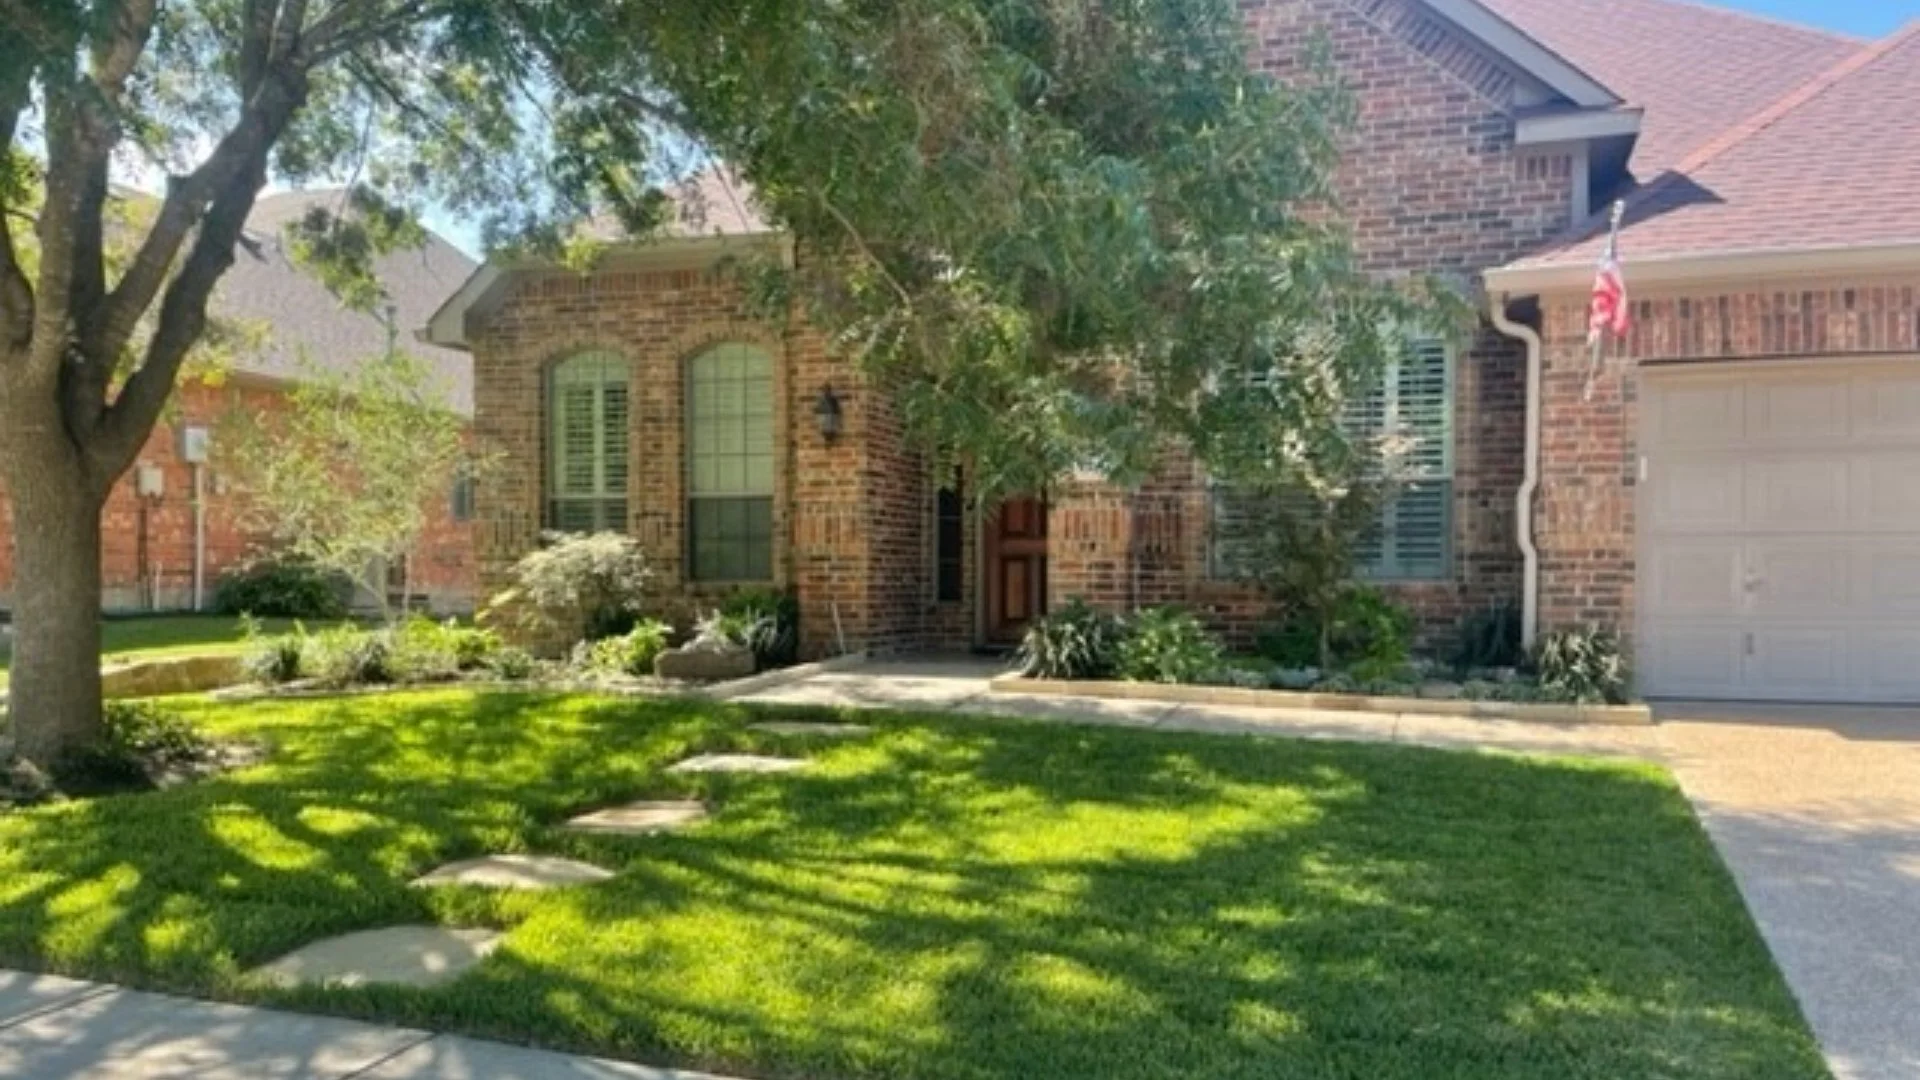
<point>347,477</point>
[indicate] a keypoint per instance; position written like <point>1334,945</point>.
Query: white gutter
<point>1530,481</point>
<point>1693,269</point>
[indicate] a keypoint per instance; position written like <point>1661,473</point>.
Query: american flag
<point>1610,312</point>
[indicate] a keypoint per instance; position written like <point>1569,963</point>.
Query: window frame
<point>696,503</point>
<point>1439,474</point>
<point>1385,567</point>
<point>612,370</point>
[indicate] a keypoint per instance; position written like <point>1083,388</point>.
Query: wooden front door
<point>1016,568</point>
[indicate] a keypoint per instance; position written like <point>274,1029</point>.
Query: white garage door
<point>1780,533</point>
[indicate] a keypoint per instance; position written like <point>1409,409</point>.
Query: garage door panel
<point>1695,578</point>
<point>1699,659</point>
<point>1886,484</point>
<point>1700,497</point>
<point>1886,664</point>
<point>1884,407</point>
<point>1798,411</point>
<point>1808,662</point>
<point>1791,494</point>
<point>1800,579</point>
<point>1888,577</point>
<point>1699,415</point>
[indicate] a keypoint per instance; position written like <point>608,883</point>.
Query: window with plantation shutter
<point>730,461</point>
<point>1414,404</point>
<point>587,423</point>
<point>1413,539</point>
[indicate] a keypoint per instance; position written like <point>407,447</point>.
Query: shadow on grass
<point>949,898</point>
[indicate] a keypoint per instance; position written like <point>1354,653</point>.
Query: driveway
<point>1817,812</point>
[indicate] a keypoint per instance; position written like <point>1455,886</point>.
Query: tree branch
<point>16,292</point>
<point>115,57</point>
<point>188,197</point>
<point>123,426</point>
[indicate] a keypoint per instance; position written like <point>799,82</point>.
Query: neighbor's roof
<point>1695,69</point>
<point>713,202</point>
<point>1833,165</point>
<point>302,316</point>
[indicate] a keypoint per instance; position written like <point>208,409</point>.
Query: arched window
<point>730,440</point>
<point>587,415</point>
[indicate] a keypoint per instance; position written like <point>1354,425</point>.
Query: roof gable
<point>1827,167</point>
<point>1693,68</point>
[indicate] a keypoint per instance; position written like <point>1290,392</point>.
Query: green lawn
<point>165,635</point>
<point>950,898</point>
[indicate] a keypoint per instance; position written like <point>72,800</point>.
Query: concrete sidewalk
<point>61,1029</point>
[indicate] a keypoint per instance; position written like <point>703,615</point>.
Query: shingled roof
<point>1833,164</point>
<point>1695,69</point>
<point>265,286</point>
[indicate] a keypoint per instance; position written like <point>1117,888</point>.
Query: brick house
<point>1493,136</point>
<point>149,543</point>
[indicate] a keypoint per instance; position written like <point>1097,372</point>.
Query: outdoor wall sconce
<point>826,413</point>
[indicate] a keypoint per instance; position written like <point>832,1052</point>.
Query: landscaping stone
<point>1439,690</point>
<point>640,818</point>
<point>737,763</point>
<point>801,727</point>
<point>402,955</point>
<point>705,663</point>
<point>175,675</point>
<point>515,872</point>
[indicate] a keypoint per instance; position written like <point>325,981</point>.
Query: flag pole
<point>1596,338</point>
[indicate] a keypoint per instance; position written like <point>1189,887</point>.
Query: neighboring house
<point>1752,524</point>
<point>153,555</point>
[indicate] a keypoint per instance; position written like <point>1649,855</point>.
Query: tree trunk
<point>56,606</point>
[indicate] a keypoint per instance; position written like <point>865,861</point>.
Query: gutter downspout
<point>199,537</point>
<point>1530,483</point>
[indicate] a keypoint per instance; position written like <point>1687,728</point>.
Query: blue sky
<point>1867,18</point>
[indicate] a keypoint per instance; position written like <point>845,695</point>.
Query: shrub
<point>512,664</point>
<point>1583,666</point>
<point>351,656</point>
<point>1167,645</point>
<point>766,621</point>
<point>281,589</point>
<point>1490,638</point>
<point>632,653</point>
<point>582,587</point>
<point>424,649</point>
<point>1365,630</point>
<point>273,658</point>
<point>1075,642</point>
<point>140,738</point>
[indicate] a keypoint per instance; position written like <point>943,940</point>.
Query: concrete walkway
<point>1815,810</point>
<point>1817,813</point>
<point>60,1029</point>
<point>961,685</point>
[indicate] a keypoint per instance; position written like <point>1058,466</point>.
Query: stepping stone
<point>516,872</point>
<point>403,955</point>
<point>737,763</point>
<point>799,727</point>
<point>639,819</point>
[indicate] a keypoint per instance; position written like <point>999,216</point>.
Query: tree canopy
<point>1062,231</point>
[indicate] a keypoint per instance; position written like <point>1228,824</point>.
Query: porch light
<point>826,413</point>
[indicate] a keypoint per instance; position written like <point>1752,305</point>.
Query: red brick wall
<point>849,520</point>
<point>443,566</point>
<point>1584,519</point>
<point>1431,182</point>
